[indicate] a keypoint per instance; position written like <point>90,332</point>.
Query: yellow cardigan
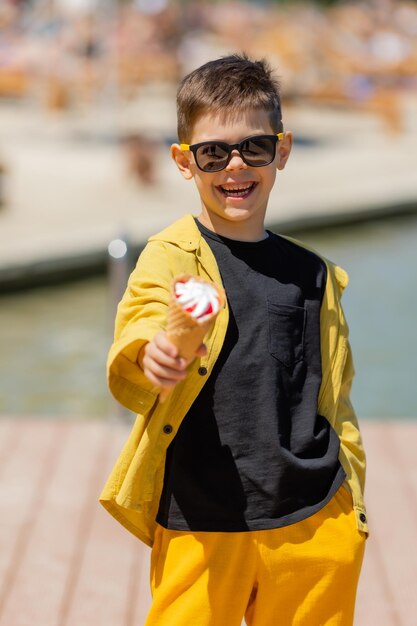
<point>132,491</point>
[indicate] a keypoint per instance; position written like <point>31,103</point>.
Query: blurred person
<point>248,480</point>
<point>89,55</point>
<point>141,154</point>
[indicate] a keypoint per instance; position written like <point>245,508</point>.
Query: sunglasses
<point>214,156</point>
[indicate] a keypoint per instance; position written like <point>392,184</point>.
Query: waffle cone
<point>183,330</point>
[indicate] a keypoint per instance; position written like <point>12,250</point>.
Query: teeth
<point>237,191</point>
<point>240,188</point>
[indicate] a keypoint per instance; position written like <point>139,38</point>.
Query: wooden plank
<point>373,605</point>
<point>393,528</point>
<point>112,559</point>
<point>84,523</point>
<point>140,588</point>
<point>374,599</point>
<point>42,582</point>
<point>8,440</point>
<point>22,485</point>
<point>404,441</point>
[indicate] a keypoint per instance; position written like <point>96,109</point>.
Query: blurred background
<point>87,116</point>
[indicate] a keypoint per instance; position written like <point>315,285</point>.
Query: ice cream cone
<point>185,331</point>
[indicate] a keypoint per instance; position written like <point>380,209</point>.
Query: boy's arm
<point>141,314</point>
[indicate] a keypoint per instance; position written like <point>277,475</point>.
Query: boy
<point>248,481</point>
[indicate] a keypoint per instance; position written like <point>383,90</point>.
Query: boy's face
<point>238,215</point>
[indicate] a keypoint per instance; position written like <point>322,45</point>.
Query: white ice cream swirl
<point>199,299</point>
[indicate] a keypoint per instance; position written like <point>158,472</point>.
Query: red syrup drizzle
<point>190,309</point>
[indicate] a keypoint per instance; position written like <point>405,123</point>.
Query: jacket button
<point>362,517</point>
<point>202,371</point>
<point>167,429</point>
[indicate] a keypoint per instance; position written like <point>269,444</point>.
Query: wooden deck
<point>65,562</point>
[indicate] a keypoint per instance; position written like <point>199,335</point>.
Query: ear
<point>284,150</point>
<point>182,161</point>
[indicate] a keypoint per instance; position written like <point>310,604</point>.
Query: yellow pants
<point>305,574</point>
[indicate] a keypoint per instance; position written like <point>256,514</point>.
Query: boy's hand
<point>161,363</point>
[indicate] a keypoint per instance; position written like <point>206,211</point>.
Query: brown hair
<point>227,86</point>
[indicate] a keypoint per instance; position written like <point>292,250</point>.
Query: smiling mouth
<point>237,191</point>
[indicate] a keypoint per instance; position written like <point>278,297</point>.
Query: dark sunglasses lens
<point>259,151</point>
<point>212,157</point>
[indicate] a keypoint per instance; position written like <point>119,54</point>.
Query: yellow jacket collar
<point>183,233</point>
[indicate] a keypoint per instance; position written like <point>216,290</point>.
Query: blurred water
<point>54,341</point>
<point>53,350</point>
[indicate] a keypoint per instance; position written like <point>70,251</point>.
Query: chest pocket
<point>286,324</point>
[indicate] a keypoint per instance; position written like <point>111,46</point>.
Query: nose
<point>236,162</point>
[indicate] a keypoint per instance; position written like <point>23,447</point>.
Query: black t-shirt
<point>252,452</point>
